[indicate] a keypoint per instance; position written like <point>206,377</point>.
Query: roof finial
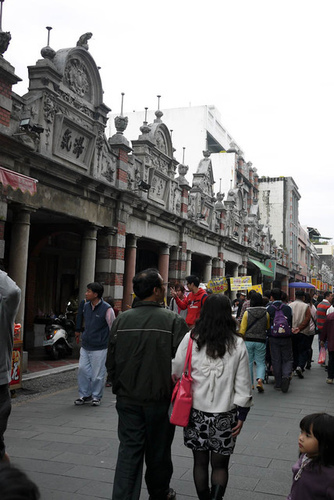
<point>47,52</point>
<point>122,100</point>
<point>183,156</point>
<point>158,113</point>
<point>2,1</point>
<point>49,29</point>
<point>145,129</point>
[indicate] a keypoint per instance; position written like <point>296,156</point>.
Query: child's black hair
<point>322,427</point>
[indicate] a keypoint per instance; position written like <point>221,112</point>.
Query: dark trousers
<point>5,409</point>
<point>143,431</point>
<point>301,345</point>
<point>330,373</point>
<point>281,358</point>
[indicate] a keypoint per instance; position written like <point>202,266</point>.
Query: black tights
<point>219,473</point>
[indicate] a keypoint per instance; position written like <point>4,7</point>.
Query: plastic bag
<point>322,356</point>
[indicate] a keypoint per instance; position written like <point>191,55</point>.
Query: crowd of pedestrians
<point>235,348</point>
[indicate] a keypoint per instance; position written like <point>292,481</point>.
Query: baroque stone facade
<point>102,210</point>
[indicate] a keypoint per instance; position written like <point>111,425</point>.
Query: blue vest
<point>95,336</point>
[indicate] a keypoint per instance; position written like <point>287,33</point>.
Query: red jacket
<point>193,302</point>
<point>327,332</point>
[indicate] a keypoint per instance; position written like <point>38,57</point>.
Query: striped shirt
<point>321,313</point>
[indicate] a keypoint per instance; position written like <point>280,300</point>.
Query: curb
<point>51,371</point>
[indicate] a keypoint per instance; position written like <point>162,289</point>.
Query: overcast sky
<point>266,65</point>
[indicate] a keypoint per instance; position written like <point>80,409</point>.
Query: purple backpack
<point>281,327</point>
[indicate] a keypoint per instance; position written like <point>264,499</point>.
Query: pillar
<point>88,259</point>
<point>188,266</point>
<point>163,264</point>
<point>18,258</point>
<point>130,270</point>
<point>207,270</point>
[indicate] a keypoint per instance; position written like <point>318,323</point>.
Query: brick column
<point>110,261</point>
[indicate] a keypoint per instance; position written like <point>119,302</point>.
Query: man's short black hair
<point>299,294</point>
<point>276,293</point>
<point>327,294</point>
<point>96,287</point>
<point>192,279</point>
<point>144,283</point>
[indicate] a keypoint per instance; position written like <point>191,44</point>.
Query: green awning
<point>264,269</point>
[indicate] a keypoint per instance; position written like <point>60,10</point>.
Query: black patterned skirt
<point>211,431</point>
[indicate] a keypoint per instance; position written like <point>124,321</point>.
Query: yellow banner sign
<point>241,283</point>
<point>218,285</point>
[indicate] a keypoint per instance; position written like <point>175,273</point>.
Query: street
<point>70,452</point>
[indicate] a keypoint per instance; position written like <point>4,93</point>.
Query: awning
<point>18,181</point>
<point>264,269</point>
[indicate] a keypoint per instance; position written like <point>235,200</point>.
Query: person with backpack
<point>280,340</point>
<point>254,325</point>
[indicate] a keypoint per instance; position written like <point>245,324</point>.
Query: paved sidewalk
<point>70,452</point>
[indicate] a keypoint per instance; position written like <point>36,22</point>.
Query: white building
<point>278,203</point>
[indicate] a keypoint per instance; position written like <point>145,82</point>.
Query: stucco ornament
<point>82,42</point>
<point>5,38</point>
<point>76,77</point>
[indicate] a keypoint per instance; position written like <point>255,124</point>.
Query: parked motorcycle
<point>58,333</point>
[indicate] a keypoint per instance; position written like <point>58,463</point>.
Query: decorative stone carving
<point>76,77</point>
<point>5,38</point>
<point>161,141</point>
<point>49,109</point>
<point>82,42</point>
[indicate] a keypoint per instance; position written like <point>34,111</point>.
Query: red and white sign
<point>18,181</point>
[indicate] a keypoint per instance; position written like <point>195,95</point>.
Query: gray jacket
<point>10,296</point>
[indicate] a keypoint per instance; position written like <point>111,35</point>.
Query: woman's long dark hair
<point>322,427</point>
<point>216,327</point>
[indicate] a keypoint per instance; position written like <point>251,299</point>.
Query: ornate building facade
<point>78,207</point>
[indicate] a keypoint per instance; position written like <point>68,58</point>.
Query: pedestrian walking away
<point>301,316</point>
<point>313,473</point>
<point>280,342</point>
<point>143,341</point>
<point>10,296</point>
<point>221,393</point>
<point>254,326</point>
<point>98,317</point>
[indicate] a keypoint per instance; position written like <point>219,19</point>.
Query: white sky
<point>266,65</point>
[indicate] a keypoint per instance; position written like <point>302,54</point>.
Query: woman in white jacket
<point>222,393</point>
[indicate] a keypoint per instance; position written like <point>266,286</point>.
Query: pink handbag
<point>182,397</point>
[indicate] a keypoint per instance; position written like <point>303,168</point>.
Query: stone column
<point>130,270</point>
<point>18,258</point>
<point>88,260</point>
<point>163,264</point>
<point>188,266</point>
<point>207,270</point>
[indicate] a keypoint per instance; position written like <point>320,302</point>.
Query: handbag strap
<point>187,362</point>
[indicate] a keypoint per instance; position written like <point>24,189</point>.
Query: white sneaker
<point>329,381</point>
<point>96,402</point>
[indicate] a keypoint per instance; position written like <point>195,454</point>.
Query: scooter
<point>57,336</point>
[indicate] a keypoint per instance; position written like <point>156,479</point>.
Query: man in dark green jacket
<point>143,342</point>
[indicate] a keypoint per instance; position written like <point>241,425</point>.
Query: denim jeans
<point>257,353</point>
<point>5,409</point>
<point>91,373</point>
<point>281,358</point>
<point>143,431</point>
